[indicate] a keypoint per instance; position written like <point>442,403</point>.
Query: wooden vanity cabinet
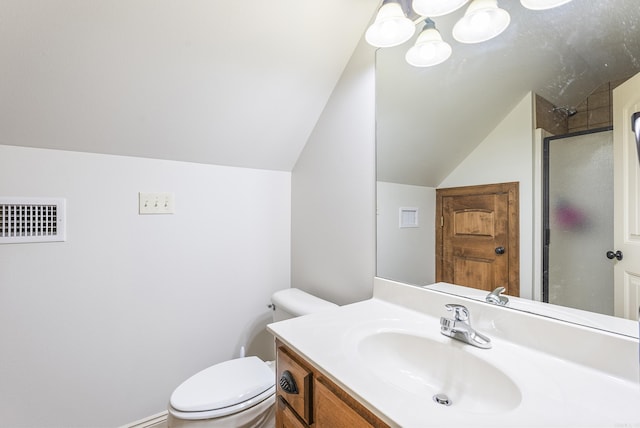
<point>286,417</point>
<point>316,402</point>
<point>293,371</point>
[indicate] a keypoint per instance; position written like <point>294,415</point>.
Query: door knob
<point>500,250</point>
<point>617,255</point>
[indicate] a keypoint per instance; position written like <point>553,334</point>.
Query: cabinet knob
<point>287,383</point>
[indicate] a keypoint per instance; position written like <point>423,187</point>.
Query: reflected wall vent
<point>408,217</point>
<point>32,220</point>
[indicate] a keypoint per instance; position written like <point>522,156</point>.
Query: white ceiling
<point>429,120</point>
<point>239,83</point>
<point>243,83</point>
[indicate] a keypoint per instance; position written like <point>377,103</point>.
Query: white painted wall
<point>507,155</point>
<point>333,192</point>
<point>97,331</point>
<point>406,254</point>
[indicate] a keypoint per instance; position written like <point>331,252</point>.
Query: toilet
<point>240,392</point>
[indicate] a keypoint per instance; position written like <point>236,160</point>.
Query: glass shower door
<point>579,221</point>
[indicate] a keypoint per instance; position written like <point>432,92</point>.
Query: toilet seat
<point>224,389</point>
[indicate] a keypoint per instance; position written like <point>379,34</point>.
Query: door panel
<point>626,101</point>
<point>578,219</point>
<point>474,223</point>
<point>476,273</point>
<point>477,238</point>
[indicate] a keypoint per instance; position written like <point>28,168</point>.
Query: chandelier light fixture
<point>391,26</point>
<point>429,48</point>
<point>483,20</point>
<point>433,8</point>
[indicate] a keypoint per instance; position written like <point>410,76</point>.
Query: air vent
<point>32,220</point>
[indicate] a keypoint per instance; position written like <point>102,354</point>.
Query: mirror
<point>429,120</point>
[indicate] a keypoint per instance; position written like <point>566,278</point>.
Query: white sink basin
<point>388,353</point>
<point>426,367</point>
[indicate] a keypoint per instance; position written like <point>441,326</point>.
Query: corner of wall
<point>333,192</point>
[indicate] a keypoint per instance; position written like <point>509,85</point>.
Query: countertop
<point>550,389</point>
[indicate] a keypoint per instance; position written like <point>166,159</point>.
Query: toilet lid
<point>223,385</point>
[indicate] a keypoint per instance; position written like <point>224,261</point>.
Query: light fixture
<point>433,8</point>
<point>429,48</point>
<point>391,26</point>
<point>482,21</point>
<point>396,21</point>
<point>543,4</point>
<point>635,127</point>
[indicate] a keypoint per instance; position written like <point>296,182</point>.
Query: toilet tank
<point>292,302</point>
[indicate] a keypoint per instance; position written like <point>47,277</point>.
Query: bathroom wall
<point>333,192</point>
<point>597,110</point>
<point>407,253</point>
<point>98,330</point>
<point>506,155</point>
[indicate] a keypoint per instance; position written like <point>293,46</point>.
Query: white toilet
<point>241,392</point>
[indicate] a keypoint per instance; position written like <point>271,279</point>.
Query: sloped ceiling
<point>239,83</point>
<point>429,120</point>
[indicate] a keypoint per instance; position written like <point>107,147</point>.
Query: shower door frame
<point>545,202</point>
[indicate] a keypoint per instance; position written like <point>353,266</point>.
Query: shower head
<point>569,111</point>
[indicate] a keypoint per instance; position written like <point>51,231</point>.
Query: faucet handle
<point>461,313</point>
<point>498,290</point>
<point>495,297</point>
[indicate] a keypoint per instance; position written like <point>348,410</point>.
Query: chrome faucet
<point>460,327</point>
<point>495,297</point>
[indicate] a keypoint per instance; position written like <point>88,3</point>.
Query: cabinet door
<point>285,417</point>
<point>332,411</point>
<point>298,374</point>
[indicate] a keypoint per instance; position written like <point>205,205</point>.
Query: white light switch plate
<point>155,203</point>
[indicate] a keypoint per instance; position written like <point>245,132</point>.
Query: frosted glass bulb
<point>482,21</point>
<point>433,8</point>
<point>429,49</point>
<point>390,28</point>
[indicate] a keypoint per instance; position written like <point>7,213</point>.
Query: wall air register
<point>32,220</point>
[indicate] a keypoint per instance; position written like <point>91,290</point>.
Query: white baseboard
<point>149,422</point>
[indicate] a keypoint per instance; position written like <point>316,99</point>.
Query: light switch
<point>155,203</point>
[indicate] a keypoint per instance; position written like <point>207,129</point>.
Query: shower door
<point>579,221</point>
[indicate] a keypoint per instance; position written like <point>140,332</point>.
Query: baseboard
<point>149,422</point>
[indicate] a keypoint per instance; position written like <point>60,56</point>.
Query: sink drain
<point>442,399</point>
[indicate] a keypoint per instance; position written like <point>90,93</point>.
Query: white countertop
<point>554,390</point>
<point>592,319</point>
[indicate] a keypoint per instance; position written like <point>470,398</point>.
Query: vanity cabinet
<point>307,398</point>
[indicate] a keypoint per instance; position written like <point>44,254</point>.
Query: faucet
<point>495,297</point>
<point>460,327</point>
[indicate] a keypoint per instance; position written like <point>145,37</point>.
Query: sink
<point>444,369</point>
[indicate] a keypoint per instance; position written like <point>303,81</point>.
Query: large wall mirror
<point>470,120</point>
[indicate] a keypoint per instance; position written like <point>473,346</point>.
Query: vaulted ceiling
<point>243,83</point>
<point>239,83</point>
<point>430,119</point>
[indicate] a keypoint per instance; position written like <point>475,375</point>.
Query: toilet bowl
<point>234,393</point>
<point>238,393</point>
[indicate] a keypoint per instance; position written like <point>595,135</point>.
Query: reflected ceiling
<point>430,119</point>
